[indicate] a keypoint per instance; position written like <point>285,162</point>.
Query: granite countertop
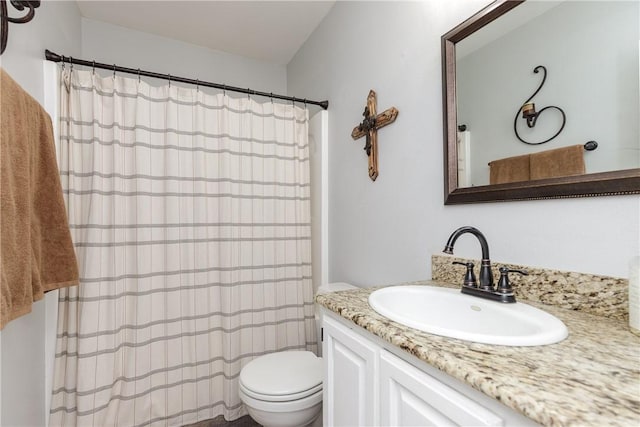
<point>591,378</point>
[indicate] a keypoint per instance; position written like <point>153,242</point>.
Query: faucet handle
<point>504,286</point>
<point>470,276</point>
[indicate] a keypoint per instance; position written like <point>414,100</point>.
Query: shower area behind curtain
<point>190,215</point>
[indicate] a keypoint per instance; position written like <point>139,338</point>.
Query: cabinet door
<point>411,397</point>
<point>350,383</point>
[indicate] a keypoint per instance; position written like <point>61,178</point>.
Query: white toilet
<point>284,389</point>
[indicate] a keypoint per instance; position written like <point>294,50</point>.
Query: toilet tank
<point>325,289</point>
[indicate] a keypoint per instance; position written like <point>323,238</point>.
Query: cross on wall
<point>369,128</point>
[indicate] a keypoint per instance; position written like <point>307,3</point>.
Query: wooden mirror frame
<point>595,184</point>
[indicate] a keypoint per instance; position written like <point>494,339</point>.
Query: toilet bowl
<point>284,389</point>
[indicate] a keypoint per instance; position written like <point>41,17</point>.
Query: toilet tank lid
<point>282,373</point>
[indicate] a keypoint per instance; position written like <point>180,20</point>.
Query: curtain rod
<point>54,57</point>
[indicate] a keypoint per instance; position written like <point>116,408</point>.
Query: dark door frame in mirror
<point>595,184</point>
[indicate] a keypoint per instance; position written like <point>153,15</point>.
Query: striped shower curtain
<point>190,215</point>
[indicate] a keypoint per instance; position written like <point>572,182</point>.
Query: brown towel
<point>36,253</point>
<point>563,161</point>
<point>510,169</point>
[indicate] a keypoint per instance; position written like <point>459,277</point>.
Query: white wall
<point>385,231</point>
<point>590,50</point>
<point>24,361</point>
<point>109,43</point>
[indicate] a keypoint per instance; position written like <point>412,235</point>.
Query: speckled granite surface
<point>590,379</point>
<point>599,295</point>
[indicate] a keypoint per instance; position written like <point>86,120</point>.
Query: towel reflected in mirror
<point>559,162</point>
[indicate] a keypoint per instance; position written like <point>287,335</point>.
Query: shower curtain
<point>190,215</point>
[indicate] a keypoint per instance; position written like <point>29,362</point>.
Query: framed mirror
<point>590,55</point>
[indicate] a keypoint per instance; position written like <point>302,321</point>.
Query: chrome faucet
<point>486,288</point>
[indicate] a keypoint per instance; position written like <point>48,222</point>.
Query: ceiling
<point>270,31</point>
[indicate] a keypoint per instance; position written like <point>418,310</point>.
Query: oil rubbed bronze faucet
<point>485,288</point>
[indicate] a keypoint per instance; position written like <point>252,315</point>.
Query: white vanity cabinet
<point>369,382</point>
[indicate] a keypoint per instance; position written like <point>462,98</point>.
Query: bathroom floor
<point>245,421</point>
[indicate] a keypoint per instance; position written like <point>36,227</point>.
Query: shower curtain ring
<point>271,96</point>
<point>248,93</point>
<point>138,75</point>
<point>197,85</point>
<point>93,67</point>
<point>169,79</point>
<point>71,64</point>
<point>114,71</point>
<point>224,90</point>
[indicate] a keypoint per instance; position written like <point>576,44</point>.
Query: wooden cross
<point>369,128</point>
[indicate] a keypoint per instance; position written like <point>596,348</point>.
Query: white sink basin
<point>447,312</point>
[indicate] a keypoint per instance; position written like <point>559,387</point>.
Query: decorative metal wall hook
<point>530,114</point>
<point>5,19</point>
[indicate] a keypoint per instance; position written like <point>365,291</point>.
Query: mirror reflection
<point>589,53</point>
